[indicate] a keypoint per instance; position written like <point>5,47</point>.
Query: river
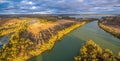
<point>68,47</point>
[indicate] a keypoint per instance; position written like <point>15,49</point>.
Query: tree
<point>118,57</point>
<point>90,51</point>
<point>77,58</point>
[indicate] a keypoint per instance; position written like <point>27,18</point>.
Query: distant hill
<point>39,15</point>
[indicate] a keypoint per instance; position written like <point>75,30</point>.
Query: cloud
<point>33,7</point>
<point>80,0</point>
<point>4,1</point>
<point>43,12</point>
<point>60,6</point>
<point>25,2</point>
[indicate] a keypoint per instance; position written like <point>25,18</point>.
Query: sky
<point>59,6</point>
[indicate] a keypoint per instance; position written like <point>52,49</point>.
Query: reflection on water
<point>68,46</point>
<point>4,40</point>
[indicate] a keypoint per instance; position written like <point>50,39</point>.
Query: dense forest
<point>91,51</point>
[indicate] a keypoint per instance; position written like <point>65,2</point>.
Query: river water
<point>69,45</point>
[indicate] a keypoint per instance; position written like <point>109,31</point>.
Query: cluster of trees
<point>17,46</point>
<point>9,28</point>
<point>48,19</point>
<point>5,32</point>
<point>90,51</point>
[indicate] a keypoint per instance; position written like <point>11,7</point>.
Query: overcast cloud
<point>60,6</point>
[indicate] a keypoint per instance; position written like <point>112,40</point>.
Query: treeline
<point>90,51</point>
<point>111,20</point>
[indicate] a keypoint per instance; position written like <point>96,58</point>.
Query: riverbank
<point>111,29</point>
<point>49,45</point>
<point>111,25</point>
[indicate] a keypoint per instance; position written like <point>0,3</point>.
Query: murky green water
<point>68,46</point>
